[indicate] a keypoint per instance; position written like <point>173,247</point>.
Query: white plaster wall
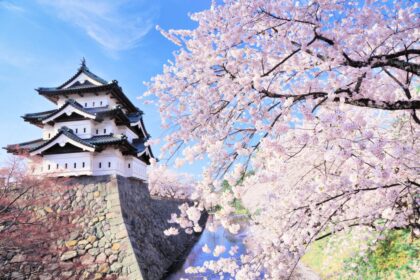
<point>109,161</point>
<point>105,127</point>
<point>84,129</point>
<point>48,132</point>
<point>89,128</point>
<point>82,78</point>
<point>139,169</point>
<point>126,166</point>
<point>56,164</point>
<point>90,100</point>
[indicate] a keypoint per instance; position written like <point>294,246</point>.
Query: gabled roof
<point>69,107</point>
<point>83,69</point>
<point>112,88</point>
<point>85,81</point>
<point>67,136</point>
<point>132,120</point>
<point>93,144</point>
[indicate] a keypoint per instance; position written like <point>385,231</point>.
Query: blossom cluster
<point>308,109</point>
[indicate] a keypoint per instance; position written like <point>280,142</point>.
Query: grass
<point>326,257</point>
<point>395,257</point>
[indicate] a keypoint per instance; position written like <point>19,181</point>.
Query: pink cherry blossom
<point>319,99</point>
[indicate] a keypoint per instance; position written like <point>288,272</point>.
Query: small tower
<point>94,130</point>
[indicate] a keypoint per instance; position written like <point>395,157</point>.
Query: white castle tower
<point>94,130</point>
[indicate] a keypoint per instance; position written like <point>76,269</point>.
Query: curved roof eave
<point>77,109</point>
<point>73,139</point>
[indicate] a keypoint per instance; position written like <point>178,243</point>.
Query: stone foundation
<point>118,235</point>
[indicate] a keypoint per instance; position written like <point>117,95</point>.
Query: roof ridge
<point>83,69</point>
<point>69,102</point>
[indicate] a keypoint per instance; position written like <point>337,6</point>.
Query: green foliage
<point>338,257</point>
<point>326,256</point>
<point>237,204</point>
<point>395,257</point>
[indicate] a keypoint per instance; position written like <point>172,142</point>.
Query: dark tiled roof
<point>94,142</point>
<point>112,88</point>
<point>39,117</point>
<point>98,112</point>
<point>80,85</point>
<point>55,91</point>
<point>135,117</point>
<point>141,146</point>
<point>92,111</point>
<point>107,139</point>
<point>69,133</point>
<point>83,69</point>
<point>25,146</point>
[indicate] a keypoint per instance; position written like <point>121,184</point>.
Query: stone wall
<point>118,234</point>
<point>146,219</point>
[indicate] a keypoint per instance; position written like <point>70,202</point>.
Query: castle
<point>95,130</point>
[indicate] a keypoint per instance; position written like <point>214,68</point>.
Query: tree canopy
<point>318,99</point>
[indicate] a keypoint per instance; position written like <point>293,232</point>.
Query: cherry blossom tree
<point>165,182</point>
<point>30,224</point>
<point>318,99</point>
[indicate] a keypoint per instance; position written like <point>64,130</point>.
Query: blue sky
<point>43,41</point>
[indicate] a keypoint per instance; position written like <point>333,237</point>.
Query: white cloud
<point>15,58</point>
<point>116,25</point>
<point>10,6</point>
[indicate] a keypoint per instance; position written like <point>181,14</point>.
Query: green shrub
<point>394,257</point>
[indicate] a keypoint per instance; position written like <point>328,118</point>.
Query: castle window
<point>49,166</point>
<point>77,130</point>
<point>109,164</point>
<point>74,165</point>
<point>83,164</point>
<point>129,165</point>
<point>85,104</point>
<point>49,135</point>
<point>100,165</point>
<point>57,166</point>
<point>104,130</point>
<point>97,131</point>
<point>84,130</point>
<point>65,166</point>
<point>101,103</point>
